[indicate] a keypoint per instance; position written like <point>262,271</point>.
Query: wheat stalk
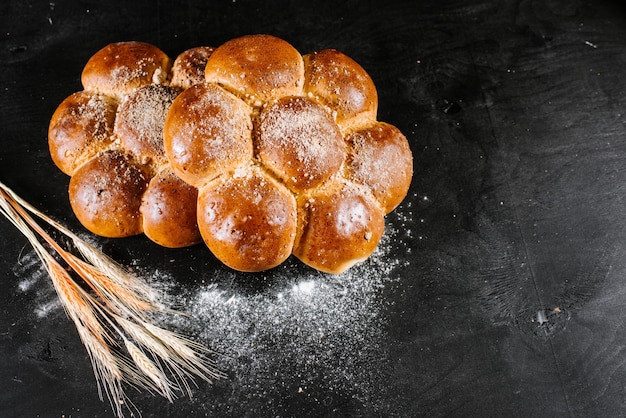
<point>112,310</point>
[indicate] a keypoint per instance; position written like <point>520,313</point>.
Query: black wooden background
<point>500,286</point>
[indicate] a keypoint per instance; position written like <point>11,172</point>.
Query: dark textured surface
<point>499,288</point>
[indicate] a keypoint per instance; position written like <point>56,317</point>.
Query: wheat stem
<point>114,308</point>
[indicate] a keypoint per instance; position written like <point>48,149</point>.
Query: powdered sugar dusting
<point>95,114</point>
<point>380,157</point>
<point>300,142</point>
<point>140,119</point>
<point>81,126</point>
<point>125,74</point>
<point>188,68</point>
<point>207,132</point>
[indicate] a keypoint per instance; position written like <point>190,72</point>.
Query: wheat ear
<point>112,311</point>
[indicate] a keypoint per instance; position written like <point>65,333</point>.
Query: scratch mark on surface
<point>591,44</point>
<point>523,238</point>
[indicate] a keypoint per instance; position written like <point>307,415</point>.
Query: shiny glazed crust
<point>248,220</point>
<point>380,158</point>
<point>168,211</point>
<point>342,225</point>
<point>257,68</point>
<point>109,138</point>
<point>80,128</point>
<point>254,149</point>
<point>120,68</point>
<point>105,194</point>
<point>342,84</point>
<point>208,131</point>
<point>188,67</point>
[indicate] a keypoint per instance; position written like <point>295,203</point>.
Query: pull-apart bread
<point>254,149</point>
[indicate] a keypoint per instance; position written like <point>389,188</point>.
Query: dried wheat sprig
<point>107,367</point>
<point>184,348</point>
<point>157,350</point>
<point>117,308</point>
<point>93,336</point>
<point>110,291</point>
<point>157,378</point>
<point>110,270</point>
<point>117,274</point>
<point>76,301</point>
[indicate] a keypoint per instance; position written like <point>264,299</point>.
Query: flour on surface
<point>299,331</point>
<point>33,278</point>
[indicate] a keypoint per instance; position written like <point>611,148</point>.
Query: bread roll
<point>109,138</point>
<point>248,219</point>
<point>140,119</point>
<point>257,68</point>
<point>298,140</point>
<point>168,210</point>
<point>341,224</point>
<point>380,158</point>
<point>80,128</point>
<point>343,85</point>
<point>188,68</point>
<point>120,68</point>
<point>251,147</point>
<point>208,131</point>
<point>105,194</point>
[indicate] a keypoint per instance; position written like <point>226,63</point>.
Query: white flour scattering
<point>305,341</point>
<point>313,336</point>
<point>33,278</point>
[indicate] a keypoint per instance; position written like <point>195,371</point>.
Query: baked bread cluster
<point>251,147</point>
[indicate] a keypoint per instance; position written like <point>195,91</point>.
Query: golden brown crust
<point>343,85</point>
<point>119,68</point>
<point>140,119</point>
<point>380,157</point>
<point>168,210</point>
<point>208,131</point>
<point>188,68</point>
<point>257,68</point>
<point>298,140</point>
<point>255,149</point>
<point>105,194</point>
<point>80,127</point>
<point>248,220</point>
<point>341,224</point>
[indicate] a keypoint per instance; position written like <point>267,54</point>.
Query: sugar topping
<point>95,115</point>
<point>188,68</point>
<point>380,158</point>
<point>140,120</point>
<point>207,132</point>
<point>82,125</point>
<point>263,106</point>
<point>299,141</point>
